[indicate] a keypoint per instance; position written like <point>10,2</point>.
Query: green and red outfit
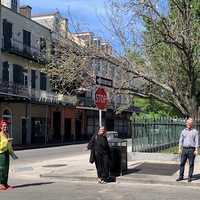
<point>6,150</point>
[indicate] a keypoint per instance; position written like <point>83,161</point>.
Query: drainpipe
<point>74,124</point>
<point>29,127</point>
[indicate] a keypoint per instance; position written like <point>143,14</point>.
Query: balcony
<point>15,91</point>
<point>16,47</point>
<point>85,102</point>
<point>12,89</point>
<point>50,97</point>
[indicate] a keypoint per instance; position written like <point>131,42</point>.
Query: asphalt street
<point>73,177</point>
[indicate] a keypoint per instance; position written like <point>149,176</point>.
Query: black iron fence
<point>156,134</point>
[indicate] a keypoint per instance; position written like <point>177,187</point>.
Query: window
<point>107,68</point>
<point>14,5</point>
<point>25,77</point>
<point>114,72</point>
<point>26,41</point>
<point>39,127</point>
<point>99,65</point>
<point>42,81</point>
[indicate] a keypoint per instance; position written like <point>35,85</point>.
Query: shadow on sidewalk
<point>32,184</point>
<point>154,169</point>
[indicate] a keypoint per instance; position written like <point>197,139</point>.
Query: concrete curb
<point>137,156</point>
<point>123,179</point>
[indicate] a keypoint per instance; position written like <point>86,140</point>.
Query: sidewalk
<point>79,169</point>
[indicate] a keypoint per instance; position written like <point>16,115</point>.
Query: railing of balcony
<point>10,88</point>
<point>50,97</point>
<point>14,89</point>
<point>85,102</point>
<point>17,47</point>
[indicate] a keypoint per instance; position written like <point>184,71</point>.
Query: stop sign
<point>101,99</point>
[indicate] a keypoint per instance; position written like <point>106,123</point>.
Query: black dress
<point>102,155</point>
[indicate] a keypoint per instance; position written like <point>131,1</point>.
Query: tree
<point>160,57</point>
<point>165,39</point>
<point>152,108</point>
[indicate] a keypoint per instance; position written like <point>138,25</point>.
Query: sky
<point>84,13</point>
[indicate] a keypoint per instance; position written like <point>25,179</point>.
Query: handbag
<point>92,152</point>
<point>92,155</point>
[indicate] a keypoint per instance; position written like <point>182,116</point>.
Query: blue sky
<point>83,12</point>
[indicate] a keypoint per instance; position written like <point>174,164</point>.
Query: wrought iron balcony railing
<point>18,48</point>
<point>13,89</point>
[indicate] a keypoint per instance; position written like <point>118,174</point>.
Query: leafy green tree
<point>165,38</point>
<point>159,56</point>
<point>152,108</point>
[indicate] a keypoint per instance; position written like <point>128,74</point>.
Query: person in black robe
<point>102,155</point>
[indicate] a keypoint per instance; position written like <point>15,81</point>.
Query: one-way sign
<point>104,81</point>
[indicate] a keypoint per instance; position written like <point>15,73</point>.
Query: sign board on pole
<point>101,98</point>
<point>104,81</point>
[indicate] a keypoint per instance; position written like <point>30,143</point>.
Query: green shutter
<point>5,71</point>
<point>42,81</point>
<point>7,34</point>
<point>32,78</point>
<point>18,76</point>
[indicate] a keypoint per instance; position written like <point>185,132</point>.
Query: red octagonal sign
<point>101,99</point>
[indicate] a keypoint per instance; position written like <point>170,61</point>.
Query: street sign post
<point>104,81</point>
<point>101,101</point>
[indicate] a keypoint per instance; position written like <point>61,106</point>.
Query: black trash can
<point>118,147</point>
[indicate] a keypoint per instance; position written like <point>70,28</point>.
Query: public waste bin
<point>111,134</point>
<point>118,147</point>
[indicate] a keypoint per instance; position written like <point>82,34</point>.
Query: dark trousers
<point>187,154</point>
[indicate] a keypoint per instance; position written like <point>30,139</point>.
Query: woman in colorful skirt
<point>6,150</point>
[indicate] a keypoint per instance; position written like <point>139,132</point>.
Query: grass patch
<point>171,150</point>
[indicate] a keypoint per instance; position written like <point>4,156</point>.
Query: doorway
<point>56,126</point>
<point>78,129</point>
<point>24,136</point>
<point>68,127</point>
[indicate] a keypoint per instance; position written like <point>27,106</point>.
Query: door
<point>78,129</point>
<point>56,126</point>
<point>67,135</point>
<point>24,136</point>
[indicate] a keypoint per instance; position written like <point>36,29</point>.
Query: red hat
<point>3,122</point>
